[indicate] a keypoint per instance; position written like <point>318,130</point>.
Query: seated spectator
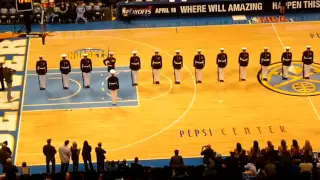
<point>239,152</point>
<point>6,148</point>
<point>306,166</point>
<point>210,170</point>
<point>284,152</point>
<point>10,170</point>
<point>307,151</point>
<point>251,167</point>
<point>247,174</point>
<point>270,170</point>
<point>292,171</point>
<point>255,150</point>
<point>207,153</point>
<point>295,150</point>
<point>136,169</point>
<point>176,161</point>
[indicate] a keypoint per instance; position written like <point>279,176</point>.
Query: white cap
<point>199,50</point>
<point>112,71</point>
<point>177,51</point>
<point>308,47</point>
<point>265,48</point>
<point>287,47</point>
<point>221,49</point>
<point>134,52</point>
<point>41,56</point>
<point>244,48</point>
<point>63,55</point>
<point>157,50</point>
<point>111,53</point>
<point>85,55</point>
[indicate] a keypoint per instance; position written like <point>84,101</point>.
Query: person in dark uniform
<point>265,61</point>
<point>307,60</point>
<point>199,62</point>
<point>283,6</point>
<point>42,69</point>
<point>100,153</point>
<point>243,63</point>
<point>113,86</point>
<point>135,65</point>
<point>286,60</point>
<point>110,62</point>
<point>49,151</point>
<point>156,65</point>
<point>1,77</point>
<point>86,156</point>
<point>222,61</point>
<point>177,64</point>
<point>86,68</point>
<point>65,69</point>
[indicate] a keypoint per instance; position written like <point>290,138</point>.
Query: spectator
<point>239,152</point>
<point>25,171</point>
<point>63,12</point>
<point>4,155</point>
<point>80,13</point>
<point>247,174</point>
<point>75,152</point>
<point>271,153</point>
<point>306,170</point>
<point>307,151</point>
<point>100,153</point>
<point>284,152</point>
<point>270,171</point>
<point>176,161</point>
<point>283,6</point>
<point>210,170</point>
<point>50,151</point>
<point>255,150</point>
<point>10,170</point>
<point>72,11</point>
<point>136,169</point>
<point>207,153</point>
<point>251,167</point>
<point>6,148</point>
<point>1,77</point>
<point>65,155</point>
<point>86,156</point>
<point>292,171</point>
<point>295,150</point>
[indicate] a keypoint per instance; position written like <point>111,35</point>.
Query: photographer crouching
<point>8,77</point>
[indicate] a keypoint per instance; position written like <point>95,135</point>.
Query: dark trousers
<point>75,165</point>
<point>2,83</point>
<point>100,166</point>
<point>53,163</point>
<point>64,167</point>
<point>86,161</point>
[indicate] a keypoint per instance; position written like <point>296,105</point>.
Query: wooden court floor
<point>189,115</point>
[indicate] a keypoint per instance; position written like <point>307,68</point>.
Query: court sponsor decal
<point>93,53</point>
<point>13,53</point>
<point>269,19</point>
<point>295,85</point>
<point>233,131</point>
<point>315,35</point>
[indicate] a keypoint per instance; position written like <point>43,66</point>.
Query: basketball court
<point>151,121</point>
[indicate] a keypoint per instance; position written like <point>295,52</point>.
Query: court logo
<point>295,85</point>
<point>93,53</point>
<point>268,19</point>
<point>315,35</point>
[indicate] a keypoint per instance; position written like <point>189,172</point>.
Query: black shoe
<point>157,82</point>
<point>87,87</point>
<point>221,80</point>
<point>200,81</point>
<point>307,77</point>
<point>284,78</point>
<point>177,83</point>
<point>2,89</point>
<point>265,79</point>
<point>66,88</point>
<point>42,88</point>
<point>135,84</point>
<point>243,79</point>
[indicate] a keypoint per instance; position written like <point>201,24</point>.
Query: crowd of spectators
<point>293,162</point>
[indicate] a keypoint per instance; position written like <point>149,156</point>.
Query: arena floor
<point>153,120</point>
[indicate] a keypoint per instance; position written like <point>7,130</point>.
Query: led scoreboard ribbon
<point>24,5</point>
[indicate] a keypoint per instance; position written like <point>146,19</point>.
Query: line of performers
<point>199,62</point>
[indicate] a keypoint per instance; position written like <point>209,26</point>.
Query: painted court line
<point>75,103</point>
<point>309,98</point>
<point>106,107</point>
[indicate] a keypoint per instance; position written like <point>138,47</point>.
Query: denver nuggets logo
<point>93,53</point>
<point>295,85</point>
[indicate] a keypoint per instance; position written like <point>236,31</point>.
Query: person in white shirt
<point>65,155</point>
<point>80,13</point>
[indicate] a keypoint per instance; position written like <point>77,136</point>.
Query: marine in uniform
<point>307,60</point>
<point>243,64</point>
<point>86,68</point>
<point>199,63</point>
<point>135,66</point>
<point>113,86</point>
<point>286,59</point>
<point>177,64</point>
<point>42,69</point>
<point>156,65</point>
<point>110,61</point>
<point>265,61</point>
<point>222,61</point>
<point>65,69</point>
